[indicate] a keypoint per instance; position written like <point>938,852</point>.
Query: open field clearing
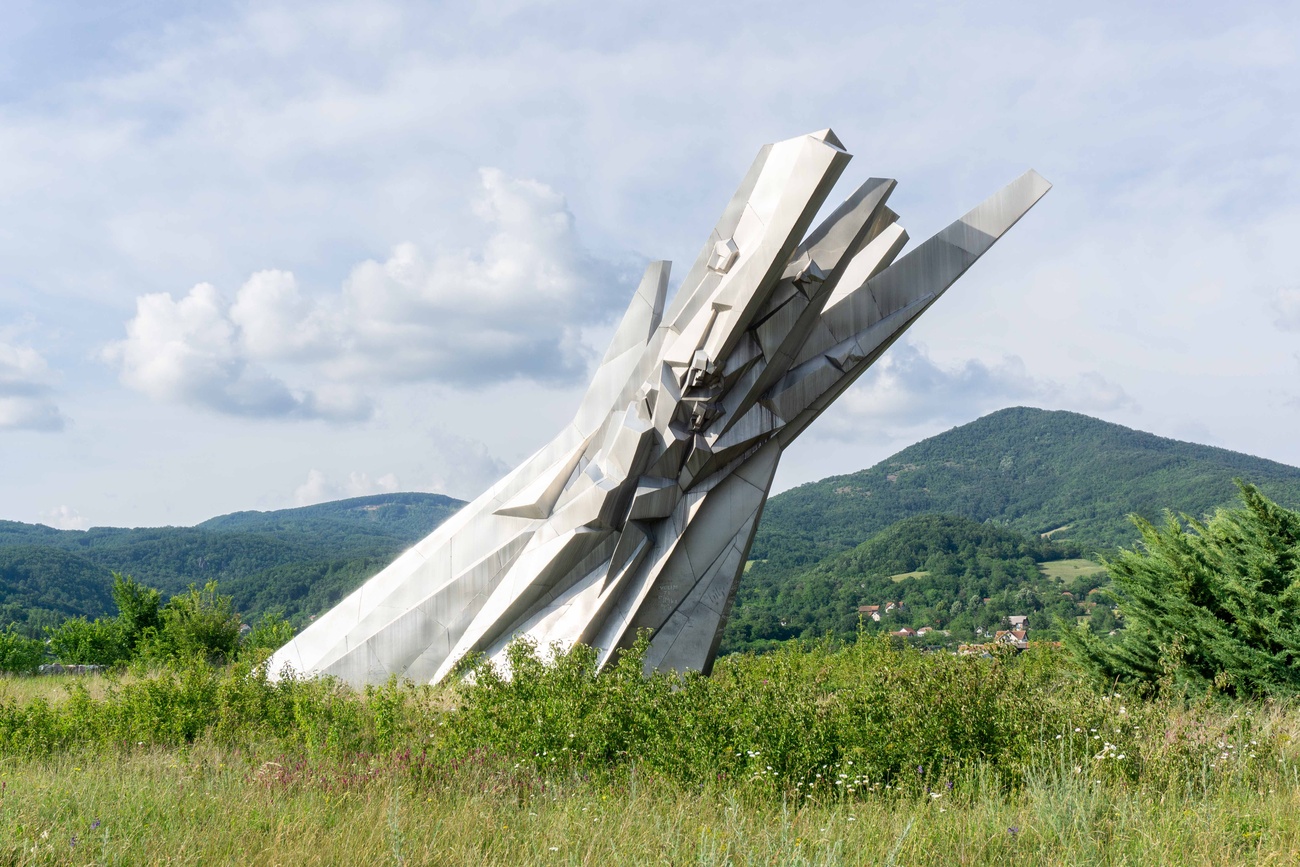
<point>1068,570</point>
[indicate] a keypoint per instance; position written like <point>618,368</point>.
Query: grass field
<point>905,575</point>
<point>869,754</point>
<point>1067,570</point>
<point>204,806</point>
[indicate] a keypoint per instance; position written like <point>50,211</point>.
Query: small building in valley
<point>1016,638</point>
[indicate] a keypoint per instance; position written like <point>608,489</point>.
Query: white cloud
<point>190,351</point>
<point>276,322</point>
<point>463,467</point>
<point>64,518</point>
<point>1092,392</point>
<point>511,311</point>
<point>318,488</point>
<point>1286,308</point>
<point>26,384</point>
<point>514,310</point>
<point>907,389</point>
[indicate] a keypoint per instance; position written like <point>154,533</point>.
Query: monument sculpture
<point>640,513</point>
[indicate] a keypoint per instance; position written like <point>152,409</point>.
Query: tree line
<point>200,623</point>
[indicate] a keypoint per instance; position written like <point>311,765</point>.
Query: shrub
<point>19,654</point>
<point>803,719</point>
<point>78,641</point>
<point>197,624</point>
<point>138,609</point>
<point>270,633</point>
<point>1211,606</point>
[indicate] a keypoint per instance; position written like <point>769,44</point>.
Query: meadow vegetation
<point>1175,740</point>
<point>866,753</point>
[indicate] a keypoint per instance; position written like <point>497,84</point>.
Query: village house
<point>1018,621</point>
<point>872,611</point>
<point>1016,638</point>
<point>905,632</point>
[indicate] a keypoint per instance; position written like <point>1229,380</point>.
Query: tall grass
<point>866,754</point>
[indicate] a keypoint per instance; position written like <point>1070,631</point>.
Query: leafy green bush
<point>78,641</point>
<point>804,719</point>
<point>804,722</point>
<point>1209,606</point>
<point>19,654</point>
<point>200,623</point>
<point>138,609</point>
<point>197,624</point>
<point>270,633</point>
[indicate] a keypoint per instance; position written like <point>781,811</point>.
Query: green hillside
<point>406,516</point>
<point>1038,471</point>
<point>300,561</point>
<point>43,586</point>
<point>948,572</point>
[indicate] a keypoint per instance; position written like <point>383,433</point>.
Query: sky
<point>259,255</point>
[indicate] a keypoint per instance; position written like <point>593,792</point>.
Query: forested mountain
<point>407,516</point>
<point>1038,471</point>
<point>300,561</point>
<point>42,586</point>
<point>1035,473</point>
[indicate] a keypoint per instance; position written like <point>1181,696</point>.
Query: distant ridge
<point>405,515</point>
<point>1036,470</point>
<point>299,561</point>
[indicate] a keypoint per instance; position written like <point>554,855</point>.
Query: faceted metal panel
<point>641,512</point>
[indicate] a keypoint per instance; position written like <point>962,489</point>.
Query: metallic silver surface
<point>640,513</point>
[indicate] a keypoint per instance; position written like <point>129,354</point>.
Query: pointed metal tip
<point>1041,181</point>
<point>828,135</point>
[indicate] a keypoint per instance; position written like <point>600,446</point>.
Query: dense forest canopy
<point>298,562</point>
<point>949,573</point>
<point>1045,474</point>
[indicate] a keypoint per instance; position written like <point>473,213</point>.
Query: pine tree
<point>1207,606</point>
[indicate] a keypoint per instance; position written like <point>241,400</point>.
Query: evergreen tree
<point>1212,605</point>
